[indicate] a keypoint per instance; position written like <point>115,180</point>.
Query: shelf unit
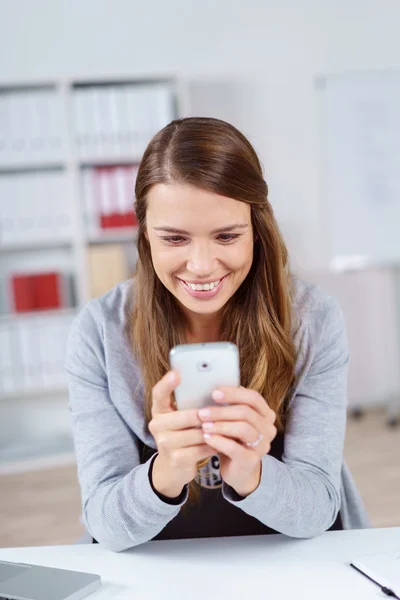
<point>73,251</point>
<point>36,245</point>
<point>62,153</point>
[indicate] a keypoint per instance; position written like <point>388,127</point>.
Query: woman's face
<point>201,244</point>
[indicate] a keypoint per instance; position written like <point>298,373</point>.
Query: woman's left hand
<point>228,429</point>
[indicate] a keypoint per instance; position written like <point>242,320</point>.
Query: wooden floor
<point>43,508</point>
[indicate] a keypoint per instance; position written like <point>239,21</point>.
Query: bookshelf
<point>69,153</point>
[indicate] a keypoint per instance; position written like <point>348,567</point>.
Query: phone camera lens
<point>203,366</point>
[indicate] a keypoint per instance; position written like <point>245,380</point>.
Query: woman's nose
<point>201,261</point>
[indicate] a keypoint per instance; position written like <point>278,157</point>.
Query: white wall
<point>273,47</point>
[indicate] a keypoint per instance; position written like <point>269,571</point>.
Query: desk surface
<point>271,566</point>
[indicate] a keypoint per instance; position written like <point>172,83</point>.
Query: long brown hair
<point>213,155</point>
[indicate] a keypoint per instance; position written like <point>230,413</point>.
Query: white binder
<point>7,358</point>
<point>4,128</point>
<point>28,336</point>
<point>91,211</point>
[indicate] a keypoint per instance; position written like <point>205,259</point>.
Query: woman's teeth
<point>197,287</point>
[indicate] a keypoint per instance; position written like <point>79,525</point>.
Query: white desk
<point>245,568</point>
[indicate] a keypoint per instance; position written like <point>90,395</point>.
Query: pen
<point>384,589</point>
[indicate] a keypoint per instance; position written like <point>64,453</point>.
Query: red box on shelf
<point>115,221</point>
<point>38,291</point>
<point>23,293</point>
<point>48,291</point>
<point>130,219</point>
<point>106,222</point>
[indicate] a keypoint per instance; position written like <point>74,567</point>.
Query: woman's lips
<point>203,294</point>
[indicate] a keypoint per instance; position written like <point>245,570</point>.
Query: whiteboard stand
<point>356,263</point>
<point>393,417</point>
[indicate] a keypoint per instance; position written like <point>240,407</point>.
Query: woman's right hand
<point>179,438</point>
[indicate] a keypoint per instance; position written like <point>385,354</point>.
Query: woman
<point>269,457</point>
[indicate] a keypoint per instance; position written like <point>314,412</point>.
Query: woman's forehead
<point>175,204</point>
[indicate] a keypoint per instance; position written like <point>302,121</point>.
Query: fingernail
<point>208,426</point>
<point>206,436</point>
<point>204,412</point>
<point>217,395</point>
<point>171,377</point>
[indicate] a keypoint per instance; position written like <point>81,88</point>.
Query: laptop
<point>20,581</point>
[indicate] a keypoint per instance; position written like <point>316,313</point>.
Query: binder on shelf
<point>38,291</point>
<point>87,132</point>
<point>102,118</point>
<point>8,358</point>
<point>48,288</point>
<point>4,128</point>
<point>37,142</point>
<point>90,206</point>
<point>55,126</point>
<point>105,195</point>
<point>7,222</point>
<point>125,178</point>
<point>53,339</point>
<point>107,266</point>
<point>99,141</point>
<point>114,121</point>
<point>18,112</point>
<point>93,123</point>
<point>117,120</point>
<point>28,339</point>
<point>42,108</point>
<point>121,103</point>
<point>109,204</point>
<point>49,201</point>
<point>34,129</point>
<point>56,207</point>
<point>119,200</point>
<point>130,181</point>
<point>32,353</point>
<point>137,119</point>
<point>34,208</point>
<point>25,191</point>
<point>23,293</point>
<point>164,105</point>
<point>147,128</point>
<point>80,123</point>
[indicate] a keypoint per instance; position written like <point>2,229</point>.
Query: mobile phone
<point>202,369</point>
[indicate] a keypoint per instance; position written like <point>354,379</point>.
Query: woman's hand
<point>179,440</point>
<point>228,429</point>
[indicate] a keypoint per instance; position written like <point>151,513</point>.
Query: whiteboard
<point>360,149</point>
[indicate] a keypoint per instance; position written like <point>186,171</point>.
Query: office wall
<point>273,49</point>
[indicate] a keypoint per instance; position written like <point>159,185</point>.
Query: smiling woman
<point>209,259</point>
<point>267,457</point>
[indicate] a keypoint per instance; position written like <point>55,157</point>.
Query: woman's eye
<point>227,237</point>
<point>174,239</point>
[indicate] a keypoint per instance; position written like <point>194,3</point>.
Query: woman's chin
<point>199,307</point>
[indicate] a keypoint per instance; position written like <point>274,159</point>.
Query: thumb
<point>161,393</point>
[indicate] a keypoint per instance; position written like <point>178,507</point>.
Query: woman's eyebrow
<point>219,230</point>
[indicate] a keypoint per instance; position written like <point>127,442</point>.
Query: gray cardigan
<point>299,496</point>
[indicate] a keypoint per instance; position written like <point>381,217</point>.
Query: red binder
<point>47,291</point>
<point>23,293</point>
<point>39,291</point>
<point>111,218</point>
